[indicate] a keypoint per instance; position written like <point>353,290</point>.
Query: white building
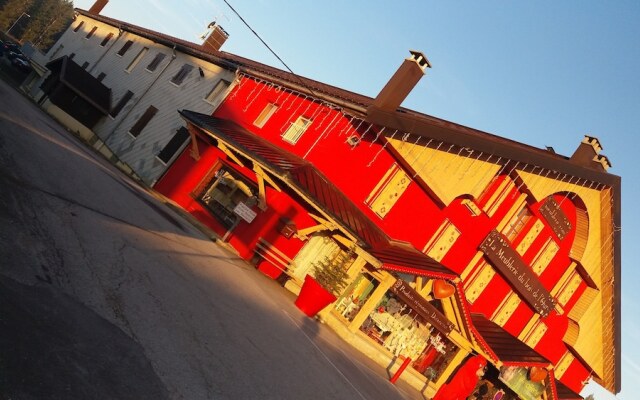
<point>150,75</point>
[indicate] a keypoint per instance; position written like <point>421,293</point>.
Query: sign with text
<point>418,303</point>
<point>522,278</point>
<point>244,212</point>
<point>556,218</point>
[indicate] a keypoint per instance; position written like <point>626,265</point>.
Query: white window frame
<point>217,91</point>
<point>296,129</point>
<point>136,60</point>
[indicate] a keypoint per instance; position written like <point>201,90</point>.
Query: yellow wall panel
<point>449,175</point>
<point>479,282</point>
<point>442,241</point>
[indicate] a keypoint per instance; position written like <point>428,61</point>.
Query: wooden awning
<point>82,83</point>
<point>502,346</point>
<point>311,184</point>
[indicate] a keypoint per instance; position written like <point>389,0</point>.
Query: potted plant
<point>329,279</point>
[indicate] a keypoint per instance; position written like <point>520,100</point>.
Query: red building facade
<point>290,171</point>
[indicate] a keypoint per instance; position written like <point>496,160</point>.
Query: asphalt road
<point>106,293</point>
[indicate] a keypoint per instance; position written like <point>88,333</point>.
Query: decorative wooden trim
<point>563,364</point>
<point>478,282</point>
<point>544,256</point>
<point>440,243</point>
<point>530,237</point>
<point>506,309</point>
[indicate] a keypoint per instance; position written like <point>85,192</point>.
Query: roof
<point>506,348</point>
<point>305,177</point>
<point>82,83</point>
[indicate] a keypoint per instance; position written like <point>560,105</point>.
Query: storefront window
<point>223,193</point>
<point>355,296</point>
<point>404,332</point>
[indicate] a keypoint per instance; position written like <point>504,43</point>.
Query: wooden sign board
<point>244,212</point>
<point>421,306</point>
<point>520,276</point>
<point>556,218</point>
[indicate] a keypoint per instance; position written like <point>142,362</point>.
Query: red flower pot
<point>313,297</point>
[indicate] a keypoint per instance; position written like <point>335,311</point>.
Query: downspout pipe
<point>113,43</point>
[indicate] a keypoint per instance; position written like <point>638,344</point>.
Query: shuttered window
<point>125,47</point>
<point>106,39</point>
<point>155,62</point>
<point>123,101</point>
<point>182,74</point>
<point>77,28</point>
<point>137,128</point>
<point>167,153</point>
<point>91,32</point>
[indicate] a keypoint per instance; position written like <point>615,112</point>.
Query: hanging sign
<point>244,212</point>
<point>522,278</point>
<point>418,303</point>
<point>556,218</point>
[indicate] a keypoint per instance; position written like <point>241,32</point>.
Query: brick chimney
<point>588,154</point>
<point>402,82</point>
<point>97,7</point>
<point>215,37</point>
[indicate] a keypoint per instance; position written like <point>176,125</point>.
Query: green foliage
<point>332,273</point>
<point>48,19</point>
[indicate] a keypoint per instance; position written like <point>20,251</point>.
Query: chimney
<point>402,82</point>
<point>97,7</point>
<point>215,37</point>
<point>588,154</point>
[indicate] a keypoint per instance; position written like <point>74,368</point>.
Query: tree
<point>48,18</point>
<point>11,11</point>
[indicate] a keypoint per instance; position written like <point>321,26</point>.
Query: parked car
<point>21,64</point>
<point>14,54</point>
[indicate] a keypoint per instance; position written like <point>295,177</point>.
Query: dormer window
<point>296,129</point>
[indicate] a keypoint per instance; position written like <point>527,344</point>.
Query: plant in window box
<point>329,280</point>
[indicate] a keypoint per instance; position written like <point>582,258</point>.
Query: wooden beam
<point>229,153</point>
<point>260,172</point>
<point>194,153</point>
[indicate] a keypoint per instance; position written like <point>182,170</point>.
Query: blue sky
<point>543,73</point>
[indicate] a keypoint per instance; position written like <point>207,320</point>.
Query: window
<point>77,28</point>
<point>85,65</point>
<point>125,47</point>
<point>296,130</point>
<point>171,148</point>
<point>137,59</point>
<point>106,39</point>
<point>517,223</point>
<point>219,88</point>
<point>265,114</point>
<point>91,32</point>
<point>155,62</point>
<point>123,101</point>
<point>101,76</point>
<point>182,74</point>
<point>137,128</point>
<point>222,191</point>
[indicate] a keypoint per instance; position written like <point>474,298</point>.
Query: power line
<point>267,46</point>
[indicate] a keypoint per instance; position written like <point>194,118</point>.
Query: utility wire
<point>269,48</point>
